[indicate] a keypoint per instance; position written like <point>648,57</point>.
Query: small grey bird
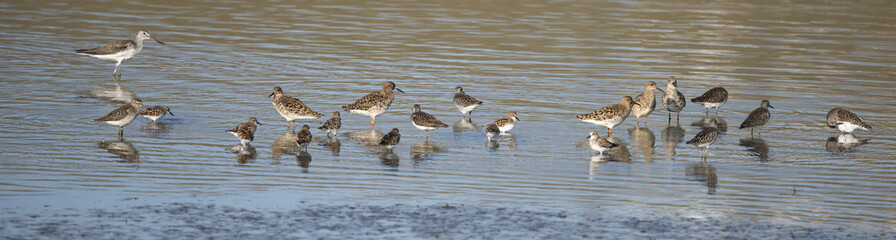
<point>424,121</point>
<point>673,99</point>
<point>123,116</point>
<point>758,117</point>
<point>706,137</point>
<point>845,121</point>
<point>243,132</point>
<point>291,108</point>
<point>507,122</point>
<point>491,131</point>
<point>375,103</point>
<point>332,125</point>
<point>599,144</point>
<point>713,98</point>
<point>303,137</point>
<point>465,103</point>
<point>119,51</point>
<point>156,112</point>
<point>391,139</point>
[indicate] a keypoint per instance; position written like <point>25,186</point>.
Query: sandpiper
<point>599,144</point>
<point>391,139</point>
<point>673,99</point>
<point>646,103</point>
<point>375,103</point>
<point>303,138</point>
<point>243,132</point>
<point>611,115</point>
<point>123,116</point>
<point>252,123</point>
<point>119,51</point>
<point>507,122</point>
<point>714,98</point>
<point>332,125</point>
<point>491,130</point>
<point>845,121</point>
<point>705,138</point>
<point>291,108</point>
<point>424,121</point>
<point>156,112</point>
<point>465,103</point>
<point>758,117</point>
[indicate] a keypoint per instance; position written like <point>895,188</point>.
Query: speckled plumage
<point>491,130</point>
<point>845,121</point>
<point>332,125</point>
<point>646,102</point>
<point>119,51</point>
<point>673,99</point>
<point>291,108</point>
<point>156,112</point>
<point>391,138</point>
<point>122,116</point>
<point>507,122</point>
<point>253,124</point>
<point>611,115</point>
<point>713,98</point>
<point>757,117</point>
<point>243,132</point>
<point>375,103</point>
<point>424,121</point>
<point>600,144</point>
<point>303,137</point>
<point>465,103</point>
<point>706,137</point>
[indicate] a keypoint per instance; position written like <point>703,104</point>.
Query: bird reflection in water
<point>156,129</point>
<point>465,125</point>
<point>284,145</point>
<point>244,153</point>
<point>115,95</point>
<point>422,151</point>
<point>706,121</point>
<point>844,142</point>
<point>643,139</point>
<point>333,144</point>
<point>703,172</point>
<point>508,140</point>
<point>672,135</point>
<point>620,152</point>
<point>369,138</point>
<point>389,158</point>
<point>757,147</point>
<point>594,165</point>
<point>122,149</point>
<point>303,159</point>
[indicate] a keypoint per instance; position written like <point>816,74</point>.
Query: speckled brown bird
<point>646,103</point>
<point>332,125</point>
<point>156,112</point>
<point>119,51</point>
<point>243,132</point>
<point>303,137</point>
<point>713,98</point>
<point>291,108</point>
<point>845,121</point>
<point>507,122</point>
<point>391,139</point>
<point>122,116</point>
<point>375,103</point>
<point>673,99</point>
<point>758,117</point>
<point>465,103</point>
<point>706,137</point>
<point>611,115</point>
<point>424,121</point>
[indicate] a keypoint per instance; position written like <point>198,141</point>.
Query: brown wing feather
<point>714,95</point>
<point>118,114</point>
<point>299,106</point>
<point>427,120</point>
<point>332,123</point>
<point>304,136</point>
<point>109,48</point>
<point>756,118</point>
<point>603,112</point>
<point>465,100</point>
<point>153,111</point>
<point>367,102</point>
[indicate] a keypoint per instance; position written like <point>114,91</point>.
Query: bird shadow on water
<point>244,153</point>
<point>672,135</point>
<point>368,138</point>
<point>303,160</point>
<point>389,159</point>
<point>844,142</point>
<point>507,140</point>
<point>424,151</point>
<point>122,149</point>
<point>706,122</point>
<point>703,172</point>
<point>332,143</point>
<point>464,125</point>
<point>156,129</point>
<point>643,139</point>
<point>757,147</point>
<point>117,94</point>
<point>620,153</point>
<point>284,145</point>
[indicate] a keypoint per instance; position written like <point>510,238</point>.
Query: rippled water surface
<point>547,61</point>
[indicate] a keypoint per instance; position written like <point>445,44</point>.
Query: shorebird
<point>845,121</point>
<point>673,99</point>
<point>119,51</point>
<point>424,121</point>
<point>122,116</point>
<point>252,124</point>
<point>391,139</point>
<point>303,138</point>
<point>646,103</point>
<point>599,144</point>
<point>611,115</point>
<point>713,98</point>
<point>243,132</point>
<point>491,130</point>
<point>291,108</point>
<point>507,122</point>
<point>705,138</point>
<point>156,112</point>
<point>465,103</point>
<point>375,103</point>
<point>332,125</point>
<point>758,117</point>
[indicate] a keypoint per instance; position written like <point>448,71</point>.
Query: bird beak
<point>661,90</point>
<point>169,112</point>
<point>272,94</point>
<point>636,103</point>
<point>257,122</point>
<point>770,106</point>
<point>158,41</point>
<point>518,119</point>
<point>588,137</point>
<point>399,89</point>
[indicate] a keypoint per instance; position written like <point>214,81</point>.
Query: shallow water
<point>547,61</point>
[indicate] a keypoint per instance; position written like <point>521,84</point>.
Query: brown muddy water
<point>549,61</point>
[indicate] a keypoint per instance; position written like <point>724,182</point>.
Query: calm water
<point>547,61</point>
